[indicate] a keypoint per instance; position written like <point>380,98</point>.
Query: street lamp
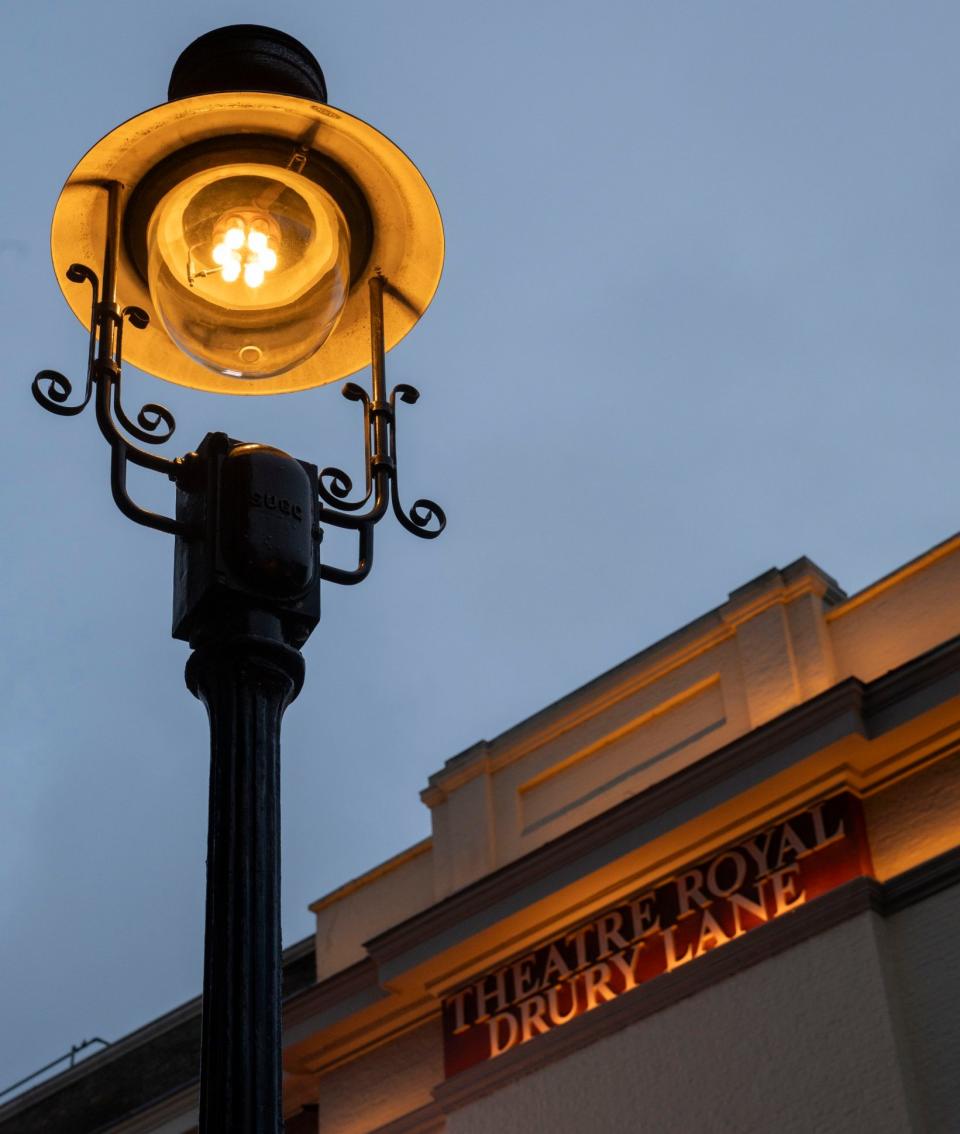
<point>256,241</point>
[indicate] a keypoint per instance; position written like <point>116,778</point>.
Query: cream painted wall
<point>926,952</point>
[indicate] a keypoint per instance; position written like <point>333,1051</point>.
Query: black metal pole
<point>246,679</point>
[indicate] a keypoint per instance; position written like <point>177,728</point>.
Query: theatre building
<point>716,889</point>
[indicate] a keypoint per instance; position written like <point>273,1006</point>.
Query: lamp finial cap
<point>247,57</point>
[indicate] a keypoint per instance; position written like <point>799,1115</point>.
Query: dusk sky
<point>698,318</point>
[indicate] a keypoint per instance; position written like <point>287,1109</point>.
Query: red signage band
<point>738,889</point>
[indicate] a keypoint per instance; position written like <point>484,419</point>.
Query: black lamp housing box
<point>253,542</point>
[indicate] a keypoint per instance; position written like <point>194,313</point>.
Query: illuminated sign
<point>654,932</point>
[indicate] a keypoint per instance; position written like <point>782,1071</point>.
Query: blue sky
<point>698,318</point>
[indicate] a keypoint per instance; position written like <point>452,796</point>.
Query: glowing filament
<point>244,249</point>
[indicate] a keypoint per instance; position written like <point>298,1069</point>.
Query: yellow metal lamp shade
<point>251,225</point>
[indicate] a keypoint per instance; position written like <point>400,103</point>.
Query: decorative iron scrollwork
<point>58,387</point>
<point>151,416</point>
<point>423,512</point>
<point>425,518</point>
<point>336,493</point>
<point>57,393</point>
<point>154,423</point>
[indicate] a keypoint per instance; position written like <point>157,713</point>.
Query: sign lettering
<point>655,932</point>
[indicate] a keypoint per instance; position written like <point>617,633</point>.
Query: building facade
<point>717,889</point>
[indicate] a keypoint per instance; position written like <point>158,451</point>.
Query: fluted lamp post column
<point>252,240</point>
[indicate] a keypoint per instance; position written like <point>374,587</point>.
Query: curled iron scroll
<point>334,485</point>
<point>155,424</point>
<point>423,512</point>
<point>50,388</point>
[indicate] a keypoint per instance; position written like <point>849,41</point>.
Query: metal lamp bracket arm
<point>154,424</point>
<point>426,518</point>
<point>363,525</point>
<point>122,451</point>
<point>365,558</point>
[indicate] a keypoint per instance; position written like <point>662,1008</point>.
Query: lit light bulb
<point>252,274</point>
<point>242,247</point>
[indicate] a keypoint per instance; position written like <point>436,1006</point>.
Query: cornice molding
<point>359,980</point>
<point>779,588</point>
<point>933,677</point>
<point>578,707</point>
<point>776,587</point>
<point>922,882</point>
<point>358,883</point>
<point>429,1119</point>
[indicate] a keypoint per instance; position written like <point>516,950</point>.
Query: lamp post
<point>253,241</point>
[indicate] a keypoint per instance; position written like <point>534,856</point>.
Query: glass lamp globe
<point>248,268</point>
